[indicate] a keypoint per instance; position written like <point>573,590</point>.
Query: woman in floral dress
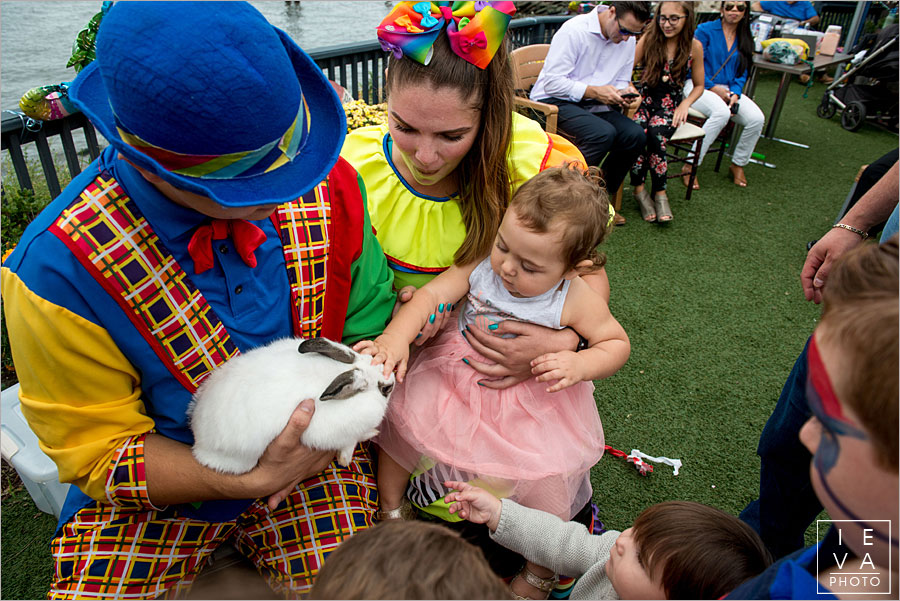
<point>663,59</point>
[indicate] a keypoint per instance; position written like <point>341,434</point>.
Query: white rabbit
<point>245,403</point>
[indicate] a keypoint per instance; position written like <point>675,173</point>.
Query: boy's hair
<point>574,195</point>
<point>696,551</point>
<point>484,178</point>
<point>407,560</point>
<point>640,10</point>
<point>860,313</point>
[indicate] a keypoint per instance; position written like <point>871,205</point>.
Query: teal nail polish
<point>449,307</point>
<point>480,384</point>
<point>493,326</point>
<point>431,319</point>
<point>419,335</point>
<point>441,308</point>
<point>466,361</point>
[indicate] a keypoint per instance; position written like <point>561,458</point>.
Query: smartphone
<point>629,95</point>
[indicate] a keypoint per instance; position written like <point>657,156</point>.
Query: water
<point>36,36</point>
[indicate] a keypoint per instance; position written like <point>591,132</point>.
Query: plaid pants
<point>109,552</point>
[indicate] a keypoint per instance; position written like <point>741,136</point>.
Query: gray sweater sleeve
<point>564,547</point>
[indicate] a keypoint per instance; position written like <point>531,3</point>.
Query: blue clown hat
<point>213,99</point>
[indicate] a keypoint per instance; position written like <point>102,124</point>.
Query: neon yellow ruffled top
<point>420,234</point>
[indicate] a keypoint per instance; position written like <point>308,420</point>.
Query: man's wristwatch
<point>582,341</point>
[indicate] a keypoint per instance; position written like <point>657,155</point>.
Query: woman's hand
<point>512,356</point>
<point>721,91</point>
<point>565,366</point>
<point>286,462</point>
<point>435,322</point>
<point>732,98</point>
<point>474,504</point>
<point>681,114</point>
<point>441,314</point>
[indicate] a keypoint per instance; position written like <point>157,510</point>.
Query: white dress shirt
<point>581,56</point>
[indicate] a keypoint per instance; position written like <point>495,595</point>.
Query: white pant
<point>718,114</point>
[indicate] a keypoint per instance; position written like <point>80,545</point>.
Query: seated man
<point>802,12</point>
<point>219,219</point>
<point>586,72</point>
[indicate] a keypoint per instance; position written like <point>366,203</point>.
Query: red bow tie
<point>246,237</point>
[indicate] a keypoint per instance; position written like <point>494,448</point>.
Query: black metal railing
<point>358,67</point>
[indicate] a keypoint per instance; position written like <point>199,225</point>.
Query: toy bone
<point>245,403</point>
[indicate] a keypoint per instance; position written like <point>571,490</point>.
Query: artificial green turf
<point>716,317</point>
<point>713,306</point>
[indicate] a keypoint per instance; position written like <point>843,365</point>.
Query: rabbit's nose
<point>386,388</point>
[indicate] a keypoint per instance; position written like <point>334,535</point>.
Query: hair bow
<point>475,29</point>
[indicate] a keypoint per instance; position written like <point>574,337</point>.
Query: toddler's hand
<point>474,504</point>
<point>388,350</point>
<point>564,366</point>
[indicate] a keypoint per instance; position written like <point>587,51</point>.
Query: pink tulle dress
<point>521,442</point>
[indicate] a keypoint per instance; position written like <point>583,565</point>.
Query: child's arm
<point>564,547</point>
<point>588,314</point>
<point>392,347</point>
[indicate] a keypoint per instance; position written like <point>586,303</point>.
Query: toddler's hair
<point>574,195</point>
<point>860,316</point>
<point>696,551</point>
<point>407,560</point>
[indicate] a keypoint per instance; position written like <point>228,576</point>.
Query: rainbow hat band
<point>475,29</point>
<point>212,99</point>
<point>231,165</point>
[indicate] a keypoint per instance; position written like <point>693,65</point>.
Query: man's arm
<point>558,66</point>
<point>874,207</point>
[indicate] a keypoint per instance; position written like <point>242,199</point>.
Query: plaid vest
<point>105,231</point>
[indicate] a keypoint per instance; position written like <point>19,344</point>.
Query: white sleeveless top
<point>488,302</point>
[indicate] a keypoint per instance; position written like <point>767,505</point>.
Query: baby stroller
<point>869,87</point>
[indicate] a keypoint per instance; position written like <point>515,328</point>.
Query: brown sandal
<point>686,178</point>
<point>737,175</point>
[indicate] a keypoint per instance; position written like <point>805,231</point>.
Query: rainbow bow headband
<point>475,29</point>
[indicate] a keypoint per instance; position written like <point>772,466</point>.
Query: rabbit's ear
<point>343,386</point>
<point>323,346</point>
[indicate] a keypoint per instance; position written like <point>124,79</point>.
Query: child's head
<point>551,230</point>
<point>852,392</point>
<point>407,560</point>
<point>684,550</point>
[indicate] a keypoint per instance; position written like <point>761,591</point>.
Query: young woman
<point>727,59</point>
<point>663,58</point>
<point>440,174</point>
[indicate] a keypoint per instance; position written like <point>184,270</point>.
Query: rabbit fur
<point>245,403</point>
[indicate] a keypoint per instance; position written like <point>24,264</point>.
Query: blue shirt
<point>715,53</point>
<point>798,10</point>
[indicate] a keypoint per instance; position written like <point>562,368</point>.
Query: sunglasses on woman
<point>674,19</point>
<point>740,7</point>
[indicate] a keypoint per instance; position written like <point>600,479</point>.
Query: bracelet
<point>861,233</point>
<point>582,341</point>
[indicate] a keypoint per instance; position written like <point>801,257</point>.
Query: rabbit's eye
<point>386,388</point>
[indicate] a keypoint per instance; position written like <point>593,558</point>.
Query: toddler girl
<point>531,442</point>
